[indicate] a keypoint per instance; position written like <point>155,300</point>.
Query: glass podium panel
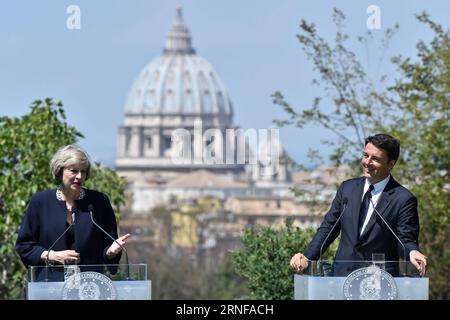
<point>89,282</point>
<point>360,280</point>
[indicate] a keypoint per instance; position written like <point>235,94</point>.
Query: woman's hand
<point>63,256</point>
<point>114,249</point>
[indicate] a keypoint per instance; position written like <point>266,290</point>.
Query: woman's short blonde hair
<point>69,156</point>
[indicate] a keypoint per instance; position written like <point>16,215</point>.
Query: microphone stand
<point>398,239</point>
<point>328,235</point>
<point>127,266</point>
<point>47,264</point>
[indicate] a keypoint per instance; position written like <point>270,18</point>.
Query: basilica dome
<point>179,82</point>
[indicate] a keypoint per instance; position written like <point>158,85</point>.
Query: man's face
<point>376,163</point>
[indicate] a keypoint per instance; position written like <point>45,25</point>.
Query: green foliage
<point>350,103</point>
<point>423,127</point>
<point>225,283</point>
<point>26,147</point>
<point>415,110</point>
<point>264,259</point>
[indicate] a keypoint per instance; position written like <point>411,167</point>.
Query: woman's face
<point>73,178</point>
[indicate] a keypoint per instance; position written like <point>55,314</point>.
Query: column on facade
<point>121,142</point>
<point>135,142</point>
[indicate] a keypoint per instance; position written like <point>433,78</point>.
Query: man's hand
<point>419,261</point>
<point>299,262</point>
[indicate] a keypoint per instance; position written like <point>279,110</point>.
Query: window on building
<point>148,141</point>
<point>167,142</point>
<point>207,102</point>
<point>173,199</point>
<point>220,102</point>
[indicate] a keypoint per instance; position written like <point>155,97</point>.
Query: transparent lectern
<point>360,280</point>
<point>89,282</point>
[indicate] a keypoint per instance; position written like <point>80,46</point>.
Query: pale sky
<point>251,44</point>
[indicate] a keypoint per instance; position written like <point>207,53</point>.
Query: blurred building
<point>180,92</point>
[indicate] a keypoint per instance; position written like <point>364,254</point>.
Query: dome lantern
<point>179,38</point>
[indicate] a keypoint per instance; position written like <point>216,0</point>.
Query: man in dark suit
<point>362,231</point>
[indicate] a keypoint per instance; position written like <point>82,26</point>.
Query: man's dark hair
<point>387,143</point>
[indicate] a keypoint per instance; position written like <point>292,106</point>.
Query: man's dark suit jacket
<point>45,221</point>
<point>396,205</point>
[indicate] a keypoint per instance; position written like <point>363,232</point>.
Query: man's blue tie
<point>364,208</point>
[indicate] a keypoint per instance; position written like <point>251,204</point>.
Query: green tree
<point>422,125</point>
<point>352,104</point>
<point>225,283</point>
<point>264,259</point>
<point>27,144</point>
<point>415,109</point>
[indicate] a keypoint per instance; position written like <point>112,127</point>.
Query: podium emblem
<point>88,286</point>
<point>370,283</point>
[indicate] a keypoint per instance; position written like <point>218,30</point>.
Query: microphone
<point>47,263</point>
<point>395,235</point>
<point>127,270</point>
<point>73,211</point>
<point>345,201</point>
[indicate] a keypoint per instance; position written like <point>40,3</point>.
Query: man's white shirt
<point>376,193</point>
